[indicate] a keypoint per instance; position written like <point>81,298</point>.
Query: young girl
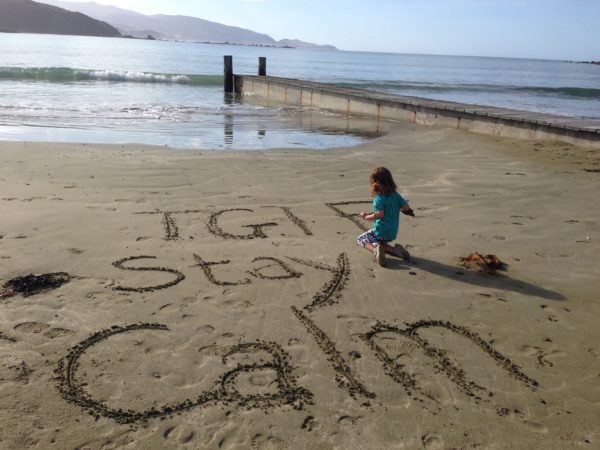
<point>387,205</point>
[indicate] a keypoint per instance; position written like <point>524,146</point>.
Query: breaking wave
<point>69,75</point>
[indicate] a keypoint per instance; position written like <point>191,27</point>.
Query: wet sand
<point>218,299</point>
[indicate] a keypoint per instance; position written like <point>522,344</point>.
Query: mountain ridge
<point>177,27</point>
<point>27,16</point>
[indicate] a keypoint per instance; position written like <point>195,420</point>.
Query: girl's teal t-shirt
<point>387,228</point>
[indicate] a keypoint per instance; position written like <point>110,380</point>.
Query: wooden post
<point>228,72</point>
<point>262,66</point>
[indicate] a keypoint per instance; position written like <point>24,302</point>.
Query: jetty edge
<point>385,106</point>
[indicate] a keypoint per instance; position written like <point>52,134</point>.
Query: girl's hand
<point>362,214</point>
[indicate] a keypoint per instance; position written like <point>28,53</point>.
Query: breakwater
<point>384,106</point>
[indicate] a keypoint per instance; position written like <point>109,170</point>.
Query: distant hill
<point>181,28</point>
<point>26,16</point>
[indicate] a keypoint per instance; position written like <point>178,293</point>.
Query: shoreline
<point>217,300</point>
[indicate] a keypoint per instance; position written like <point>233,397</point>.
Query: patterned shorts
<point>369,238</point>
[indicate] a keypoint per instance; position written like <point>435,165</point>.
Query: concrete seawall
<point>383,106</point>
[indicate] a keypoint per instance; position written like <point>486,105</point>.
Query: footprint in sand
<point>349,420</point>
<point>260,442</point>
<point>309,423</point>
<point>214,350</point>
<point>261,382</point>
<point>553,315</point>
<point>15,370</point>
<point>206,329</point>
<point>31,327</point>
<point>181,434</point>
<point>4,337</point>
<point>53,333</point>
<point>535,427</point>
<point>38,327</point>
<point>432,441</point>
<point>397,347</point>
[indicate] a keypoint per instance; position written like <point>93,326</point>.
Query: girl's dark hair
<point>382,182</point>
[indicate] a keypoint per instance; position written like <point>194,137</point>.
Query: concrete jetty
<point>385,106</point>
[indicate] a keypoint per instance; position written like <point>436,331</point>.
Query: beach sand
<point>218,300</point>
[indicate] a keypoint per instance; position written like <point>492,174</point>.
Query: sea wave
<point>67,74</point>
<point>403,86</point>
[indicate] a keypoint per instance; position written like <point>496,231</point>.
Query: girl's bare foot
<point>380,255</point>
<point>401,252</point>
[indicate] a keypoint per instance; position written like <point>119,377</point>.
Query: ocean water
<point>107,90</point>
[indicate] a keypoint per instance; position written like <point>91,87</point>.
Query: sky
<point>545,29</point>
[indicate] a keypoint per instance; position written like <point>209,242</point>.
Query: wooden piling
<point>228,73</point>
<point>262,66</point>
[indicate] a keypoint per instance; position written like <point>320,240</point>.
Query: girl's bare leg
<point>391,250</point>
<point>398,251</point>
<point>379,256</point>
<point>369,247</point>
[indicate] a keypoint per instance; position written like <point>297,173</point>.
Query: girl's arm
<point>406,209</point>
<point>372,216</point>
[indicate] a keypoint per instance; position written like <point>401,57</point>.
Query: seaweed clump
<point>34,284</point>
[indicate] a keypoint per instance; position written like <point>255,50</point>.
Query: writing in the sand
<point>240,218</point>
<point>216,217</point>
<point>269,269</point>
